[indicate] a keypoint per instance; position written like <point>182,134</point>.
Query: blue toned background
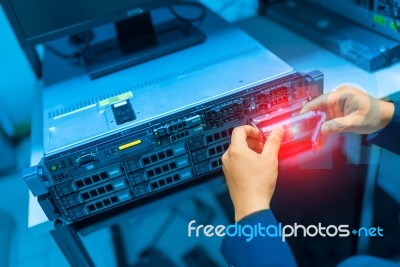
<point>329,195</point>
<point>20,246</point>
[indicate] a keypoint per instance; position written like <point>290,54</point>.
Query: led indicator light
<point>393,26</point>
<point>379,20</point>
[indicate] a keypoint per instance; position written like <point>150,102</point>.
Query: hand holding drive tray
<point>300,129</point>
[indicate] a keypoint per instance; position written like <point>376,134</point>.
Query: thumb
<point>338,125</point>
<point>273,143</point>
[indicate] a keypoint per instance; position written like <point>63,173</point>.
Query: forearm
<point>260,251</point>
<point>389,136</point>
<point>387,109</point>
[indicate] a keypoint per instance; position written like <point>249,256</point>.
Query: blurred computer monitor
<point>136,39</point>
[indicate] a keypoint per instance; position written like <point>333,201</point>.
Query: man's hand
<point>251,169</point>
<point>349,109</point>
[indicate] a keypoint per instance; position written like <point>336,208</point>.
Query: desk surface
<point>297,51</point>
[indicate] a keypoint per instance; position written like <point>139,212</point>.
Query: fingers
<point>273,143</point>
<point>241,134</point>
<point>255,145</point>
<point>319,103</point>
<point>338,125</point>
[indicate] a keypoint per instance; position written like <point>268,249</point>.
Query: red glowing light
<point>301,132</point>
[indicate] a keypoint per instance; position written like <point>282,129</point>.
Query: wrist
<point>387,111</point>
<point>246,209</point>
<point>246,219</point>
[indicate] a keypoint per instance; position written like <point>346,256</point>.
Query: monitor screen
<point>43,20</point>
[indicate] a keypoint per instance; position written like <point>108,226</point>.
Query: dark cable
<point>73,56</point>
<point>189,4</point>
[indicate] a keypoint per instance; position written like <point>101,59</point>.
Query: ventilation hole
<point>154,186</point>
<point>93,193</point>
<point>217,136</point>
<point>109,188</point>
<point>176,177</point>
<point>165,168</point>
<point>99,205</point>
<point>85,196</point>
<point>161,155</point>
<point>224,134</point>
<point>214,164</point>
<point>88,181</point>
<point>79,184</point>
<point>146,161</point>
<point>172,165</point>
<point>161,183</point>
<point>91,208</point>
<point>168,180</point>
<point>169,152</point>
<point>101,190</point>
<point>212,151</point>
<point>226,146</point>
<point>114,199</point>
<point>157,170</point>
<point>153,158</point>
<point>150,173</point>
<point>96,178</point>
<point>209,139</point>
<point>107,202</point>
<point>219,149</point>
<point>104,175</point>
